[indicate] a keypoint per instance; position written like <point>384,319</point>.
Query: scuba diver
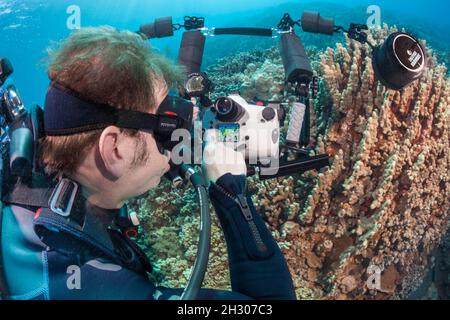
<point>102,146</point>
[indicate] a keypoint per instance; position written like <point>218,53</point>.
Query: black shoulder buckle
<point>63,197</point>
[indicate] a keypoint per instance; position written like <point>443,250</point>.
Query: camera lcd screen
<point>229,132</point>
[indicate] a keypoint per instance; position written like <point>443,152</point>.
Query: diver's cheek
<point>164,166</point>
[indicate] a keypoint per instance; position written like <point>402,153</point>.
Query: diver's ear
<point>111,153</point>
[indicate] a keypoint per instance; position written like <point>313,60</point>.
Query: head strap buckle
<point>63,197</point>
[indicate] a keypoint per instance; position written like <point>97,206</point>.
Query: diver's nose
<point>167,156</point>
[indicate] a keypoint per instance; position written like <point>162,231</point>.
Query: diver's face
<point>147,175</point>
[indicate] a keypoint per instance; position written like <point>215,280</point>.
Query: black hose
<point>260,32</point>
<point>204,244</point>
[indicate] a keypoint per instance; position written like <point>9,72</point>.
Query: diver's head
<point>113,68</point>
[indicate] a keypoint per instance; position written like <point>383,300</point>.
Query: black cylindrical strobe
<point>298,167</point>
<point>162,27</point>
<point>191,51</point>
<point>313,22</point>
<point>399,61</point>
<point>295,61</point>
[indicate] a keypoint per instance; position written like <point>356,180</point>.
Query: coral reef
<point>385,202</point>
<point>170,220</point>
<point>367,227</point>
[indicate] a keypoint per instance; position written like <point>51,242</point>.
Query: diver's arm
<point>103,280</point>
<point>258,268</point>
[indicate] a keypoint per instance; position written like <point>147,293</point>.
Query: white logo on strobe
<point>414,57</point>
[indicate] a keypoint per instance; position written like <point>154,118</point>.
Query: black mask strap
<point>66,113</point>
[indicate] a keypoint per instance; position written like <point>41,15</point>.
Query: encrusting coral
<point>366,227</point>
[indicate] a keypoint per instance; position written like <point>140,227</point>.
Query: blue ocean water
<point>28,27</point>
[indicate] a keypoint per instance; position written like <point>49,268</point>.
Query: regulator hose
<point>204,244</point>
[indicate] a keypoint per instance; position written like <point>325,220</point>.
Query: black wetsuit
<point>36,271</point>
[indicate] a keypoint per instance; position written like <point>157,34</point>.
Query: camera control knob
<point>268,114</point>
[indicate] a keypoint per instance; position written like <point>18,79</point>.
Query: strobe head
<point>313,22</point>
<point>228,110</point>
<point>160,28</point>
<point>6,70</point>
<point>399,61</point>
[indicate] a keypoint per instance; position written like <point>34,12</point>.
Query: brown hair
<point>109,67</point>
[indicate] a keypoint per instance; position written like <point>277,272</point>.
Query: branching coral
<point>382,205</point>
<point>389,202</point>
<point>169,219</point>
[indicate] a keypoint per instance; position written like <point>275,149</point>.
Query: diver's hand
<point>219,158</point>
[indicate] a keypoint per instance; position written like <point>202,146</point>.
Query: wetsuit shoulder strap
<point>62,223</point>
<point>35,194</point>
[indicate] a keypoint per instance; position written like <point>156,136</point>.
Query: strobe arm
<point>356,32</point>
<point>291,167</point>
<point>164,27</point>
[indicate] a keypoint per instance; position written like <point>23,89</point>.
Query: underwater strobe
<point>399,61</point>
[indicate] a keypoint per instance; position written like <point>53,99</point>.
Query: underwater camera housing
<point>251,129</point>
